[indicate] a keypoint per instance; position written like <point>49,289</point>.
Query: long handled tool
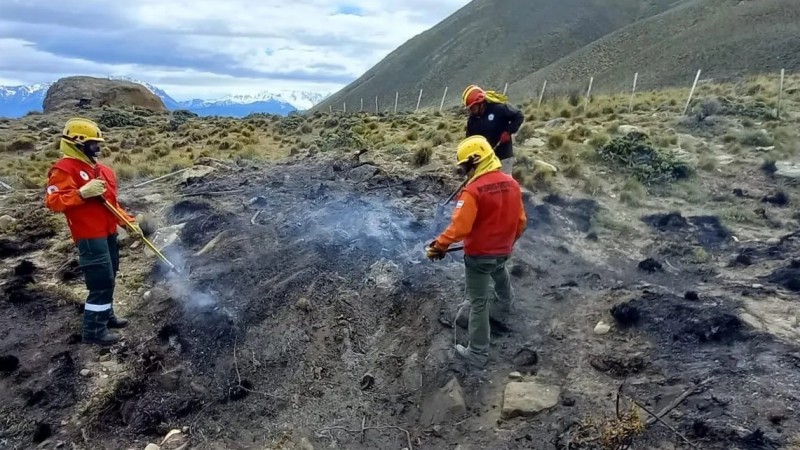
<point>147,242</point>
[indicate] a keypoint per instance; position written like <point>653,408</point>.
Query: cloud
<point>320,43</point>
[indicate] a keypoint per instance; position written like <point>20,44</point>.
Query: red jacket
<point>87,218</point>
<point>489,216</point>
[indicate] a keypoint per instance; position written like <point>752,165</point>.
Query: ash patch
<point>188,210</point>
<point>787,277</point>
<point>707,231</point>
<point>577,213</point>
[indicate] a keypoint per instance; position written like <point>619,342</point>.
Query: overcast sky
<point>209,48</point>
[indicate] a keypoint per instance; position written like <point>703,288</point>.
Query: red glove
<point>505,138</point>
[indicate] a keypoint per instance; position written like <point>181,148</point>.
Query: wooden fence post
<point>541,96</point>
<point>780,94</point>
<point>505,89</point>
<point>330,109</point>
<point>588,93</point>
<point>419,99</point>
<point>396,97</point>
<point>441,105</point>
<point>691,93</point>
<point>376,105</point>
<point>633,92</point>
<point>362,105</point>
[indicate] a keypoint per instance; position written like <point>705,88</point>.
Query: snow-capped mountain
<point>16,101</point>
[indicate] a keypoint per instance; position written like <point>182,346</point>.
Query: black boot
<point>117,322</point>
<point>107,338</point>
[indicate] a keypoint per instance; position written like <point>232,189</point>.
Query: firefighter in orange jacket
<point>489,218</point>
<point>77,185</point>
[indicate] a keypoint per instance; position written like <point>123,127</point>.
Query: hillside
<point>658,272</point>
<point>68,93</point>
<point>724,38</point>
<point>489,42</point>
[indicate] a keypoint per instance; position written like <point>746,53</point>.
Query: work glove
<point>434,252</point>
<point>505,138</point>
<point>134,230</point>
<point>94,188</point>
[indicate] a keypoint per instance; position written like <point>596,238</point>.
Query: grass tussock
<point>422,155</point>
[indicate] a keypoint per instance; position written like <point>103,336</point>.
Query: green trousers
<point>489,292</point>
<point>99,262</point>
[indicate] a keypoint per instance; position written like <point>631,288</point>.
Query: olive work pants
<point>489,292</point>
<point>99,262</point>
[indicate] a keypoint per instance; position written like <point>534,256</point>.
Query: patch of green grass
<point>612,127</point>
<point>756,139</point>
<point>738,215</point>
<point>525,132</point>
<point>306,128</point>
<point>700,256</point>
<point>574,170</point>
<point>422,155</point>
<point>593,185</point>
<point>633,193</point>
<point>22,144</point>
<point>604,220</point>
<point>555,141</point>
<point>412,135</point>
<point>579,134</point>
<point>691,192</point>
<point>599,140</point>
<point>707,162</point>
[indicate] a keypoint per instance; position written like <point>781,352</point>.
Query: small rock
<point>568,402</point>
<point>185,430</point>
<point>554,123</point>
<point>196,173</point>
<point>86,372</point>
<point>152,447</point>
<point>173,440</point>
<point>691,296</point>
<point>367,381</point>
<point>650,265</point>
<point>534,142</point>
<point>773,241</point>
<point>153,198</point>
<point>776,417</point>
<point>104,358</point>
<point>515,376</point>
<point>437,430</point>
<point>136,244</point>
<point>258,201</point>
<point>528,398</point>
<point>757,286</point>
<point>7,223</point>
<point>625,129</point>
<point>788,169</point>
<point>602,328</point>
<point>445,404</point>
<point>304,304</point>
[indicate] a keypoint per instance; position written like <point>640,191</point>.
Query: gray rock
<point>602,328</point>
<point>167,236</point>
<point>152,447</point>
<point>7,223</point>
<point>625,129</point>
<point>153,198</point>
<point>445,404</point>
<point>555,123</point>
<point>773,241</point>
<point>362,173</point>
<point>534,142</point>
<point>788,169</point>
<point>196,173</point>
<point>515,376</point>
<point>528,398</point>
<point>412,373</point>
<point>304,304</point>
<point>86,372</point>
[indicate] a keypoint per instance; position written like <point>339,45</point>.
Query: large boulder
<point>89,92</point>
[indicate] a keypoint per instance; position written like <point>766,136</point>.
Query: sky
<point>209,48</point>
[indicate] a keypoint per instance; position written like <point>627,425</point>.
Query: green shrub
<point>306,128</point>
<point>122,158</point>
<point>599,140</point>
<point>22,144</point>
<point>633,193</point>
<point>112,118</point>
<point>525,132</point>
<point>635,154</point>
<point>578,134</point>
<point>707,162</point>
<point>412,135</point>
<point>756,139</point>
<point>555,141</point>
<point>565,113</point>
<point>422,155</point>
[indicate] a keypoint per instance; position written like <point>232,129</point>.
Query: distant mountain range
<point>16,101</point>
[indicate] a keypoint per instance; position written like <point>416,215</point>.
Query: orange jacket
<point>87,218</point>
<point>489,217</point>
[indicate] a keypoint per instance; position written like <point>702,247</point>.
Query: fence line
<point>554,93</point>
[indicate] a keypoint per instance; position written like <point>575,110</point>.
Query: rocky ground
<point>658,276</point>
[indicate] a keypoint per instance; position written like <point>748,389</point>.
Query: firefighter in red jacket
<point>77,185</point>
<point>489,218</point>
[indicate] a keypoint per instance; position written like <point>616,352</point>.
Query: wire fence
<point>427,101</point>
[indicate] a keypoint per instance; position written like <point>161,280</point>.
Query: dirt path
<point>308,318</point>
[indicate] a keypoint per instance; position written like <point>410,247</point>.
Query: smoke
<point>182,288</point>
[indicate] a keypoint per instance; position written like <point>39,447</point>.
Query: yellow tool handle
<point>147,242</point>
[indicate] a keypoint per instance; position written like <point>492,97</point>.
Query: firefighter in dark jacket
<point>77,185</point>
<point>492,117</point>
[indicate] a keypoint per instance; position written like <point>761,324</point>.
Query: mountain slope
<point>490,42</point>
<point>724,38</point>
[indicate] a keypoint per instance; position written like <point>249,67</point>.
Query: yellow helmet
<point>474,149</point>
<point>79,130</point>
